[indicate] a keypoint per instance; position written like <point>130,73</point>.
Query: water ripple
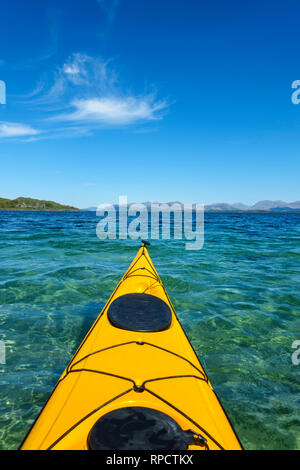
<point>237,298</point>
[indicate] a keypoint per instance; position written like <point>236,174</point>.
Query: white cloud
<point>79,76</point>
<point>76,70</point>
<point>14,129</point>
<point>71,69</point>
<point>83,96</point>
<point>93,73</point>
<point>86,91</point>
<point>116,110</point>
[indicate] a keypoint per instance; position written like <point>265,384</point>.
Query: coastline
<point>40,210</point>
<point>207,211</point>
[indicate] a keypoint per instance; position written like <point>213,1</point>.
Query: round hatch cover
<point>140,312</point>
<point>137,428</point>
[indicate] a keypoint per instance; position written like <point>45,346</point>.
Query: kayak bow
<point>135,381</point>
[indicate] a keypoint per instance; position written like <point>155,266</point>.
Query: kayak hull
<point>117,368</point>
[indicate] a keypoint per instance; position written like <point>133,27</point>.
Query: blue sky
<point>156,100</point>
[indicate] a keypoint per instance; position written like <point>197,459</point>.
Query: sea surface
<point>237,298</point>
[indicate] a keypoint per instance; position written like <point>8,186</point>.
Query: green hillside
<point>29,204</point>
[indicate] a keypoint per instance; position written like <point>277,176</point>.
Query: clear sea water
<point>237,298</point>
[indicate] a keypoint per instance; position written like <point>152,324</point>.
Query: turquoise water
<point>237,298</point>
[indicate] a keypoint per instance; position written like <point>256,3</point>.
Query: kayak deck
<point>116,367</point>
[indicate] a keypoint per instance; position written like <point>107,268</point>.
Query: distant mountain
<point>220,207</point>
<point>26,203</point>
<point>147,204</point>
<point>269,206</point>
<point>273,206</point>
<point>29,204</point>
<point>241,206</point>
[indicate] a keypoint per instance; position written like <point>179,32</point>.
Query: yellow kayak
<point>135,382</point>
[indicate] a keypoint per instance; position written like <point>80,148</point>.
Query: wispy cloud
<point>84,95</point>
<point>80,76</point>
<point>86,91</point>
<point>14,129</point>
<point>117,111</point>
